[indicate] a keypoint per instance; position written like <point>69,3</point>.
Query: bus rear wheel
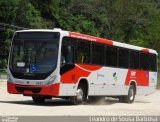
<point>130,97</point>
<point>80,96</point>
<point>38,99</point>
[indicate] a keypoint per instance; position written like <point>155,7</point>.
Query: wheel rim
<point>79,95</point>
<point>131,94</point>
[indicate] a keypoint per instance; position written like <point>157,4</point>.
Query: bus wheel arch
<point>133,83</point>
<point>81,92</point>
<point>130,97</point>
<point>85,83</point>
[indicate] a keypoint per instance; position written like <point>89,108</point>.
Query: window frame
<point>141,66</point>
<point>123,58</point>
<point>83,41</point>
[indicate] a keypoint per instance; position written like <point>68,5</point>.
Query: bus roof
<point>95,39</point>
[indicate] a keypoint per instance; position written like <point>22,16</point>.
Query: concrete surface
<point>19,105</point>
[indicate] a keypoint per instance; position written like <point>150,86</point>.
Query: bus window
<point>83,52</point>
<point>111,56</point>
<point>152,62</point>
<point>97,54</point>
<point>123,58</point>
<point>68,50</point>
<point>134,59</point>
<point>144,61</point>
<point>67,54</point>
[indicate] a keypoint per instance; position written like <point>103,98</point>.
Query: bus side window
<point>111,56</point>
<point>83,52</point>
<point>152,62</point>
<point>134,59</point>
<point>123,58</point>
<point>97,54</point>
<point>144,61</point>
<point>67,54</point>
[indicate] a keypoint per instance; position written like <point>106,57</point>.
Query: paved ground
<point>19,105</point>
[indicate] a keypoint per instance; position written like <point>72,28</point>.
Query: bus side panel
<point>73,75</point>
<point>145,90</point>
<point>108,81</point>
<point>153,79</point>
<point>70,79</point>
<point>141,77</point>
<point>145,80</point>
<point>151,87</point>
<point>67,89</point>
<point>101,80</point>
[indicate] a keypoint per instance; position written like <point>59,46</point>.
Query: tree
<point>130,21</point>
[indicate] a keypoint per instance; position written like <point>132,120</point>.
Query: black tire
<point>81,96</point>
<point>38,99</point>
<point>130,97</point>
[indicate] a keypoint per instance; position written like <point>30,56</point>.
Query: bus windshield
<point>34,52</point>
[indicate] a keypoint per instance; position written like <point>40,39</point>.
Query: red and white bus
<point>57,63</point>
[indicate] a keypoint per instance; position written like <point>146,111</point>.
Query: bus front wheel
<point>80,96</point>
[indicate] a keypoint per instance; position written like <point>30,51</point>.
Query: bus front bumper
<point>51,90</point>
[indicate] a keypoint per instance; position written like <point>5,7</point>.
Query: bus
<point>56,63</point>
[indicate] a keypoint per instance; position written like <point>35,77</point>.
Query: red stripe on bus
<point>145,50</point>
<point>90,38</point>
<point>80,70</point>
<point>73,75</point>
<point>90,67</point>
<point>141,77</point>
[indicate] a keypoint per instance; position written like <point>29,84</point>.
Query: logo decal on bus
<point>33,68</point>
<point>133,74</point>
<point>114,76</point>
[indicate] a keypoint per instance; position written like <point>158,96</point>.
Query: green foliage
<point>3,63</point>
<point>8,10</point>
<point>27,15</point>
<point>131,21</point>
